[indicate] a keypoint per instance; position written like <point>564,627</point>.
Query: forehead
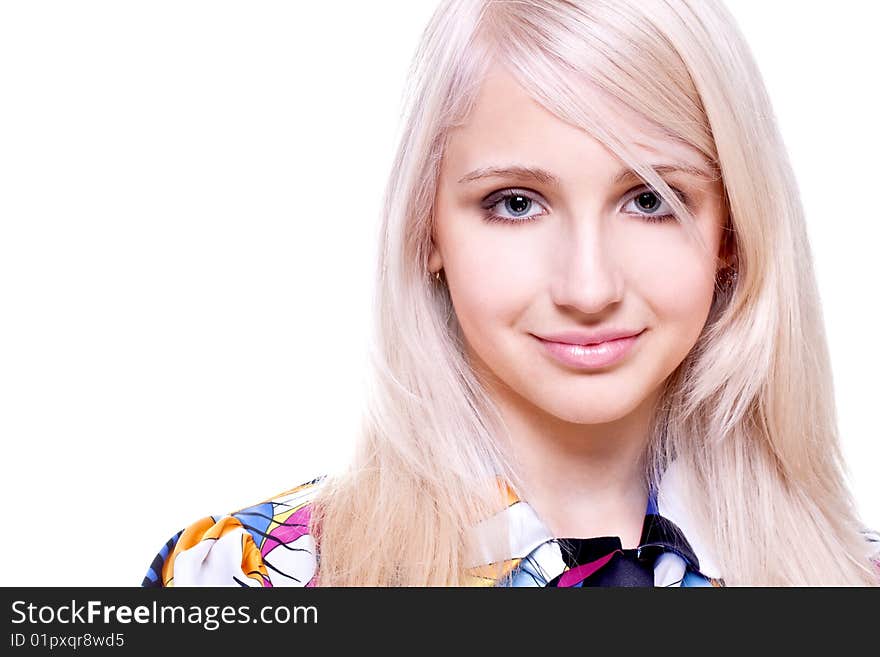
<point>507,123</point>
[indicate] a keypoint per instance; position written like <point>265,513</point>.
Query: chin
<point>589,410</point>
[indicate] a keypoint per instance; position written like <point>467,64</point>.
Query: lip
<point>583,337</point>
<point>590,356</point>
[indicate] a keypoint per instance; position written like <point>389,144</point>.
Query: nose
<point>589,276</point>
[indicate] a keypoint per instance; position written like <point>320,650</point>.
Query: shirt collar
<point>668,527</point>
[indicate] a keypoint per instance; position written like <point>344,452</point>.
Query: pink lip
<point>591,356</point>
<point>586,336</point>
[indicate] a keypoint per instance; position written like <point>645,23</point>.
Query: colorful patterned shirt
<point>269,544</point>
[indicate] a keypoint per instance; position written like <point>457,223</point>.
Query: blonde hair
<point>758,444</point>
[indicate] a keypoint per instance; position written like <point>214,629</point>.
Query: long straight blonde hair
<point>749,414</point>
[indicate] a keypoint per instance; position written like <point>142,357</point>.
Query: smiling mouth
<point>591,356</point>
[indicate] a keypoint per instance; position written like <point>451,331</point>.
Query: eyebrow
<point>546,178</point>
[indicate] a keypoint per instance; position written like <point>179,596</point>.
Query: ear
<point>435,259</point>
<point>729,255</point>
<point>726,259</point>
<point>727,249</point>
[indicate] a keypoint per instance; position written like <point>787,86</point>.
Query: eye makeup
<point>519,197</point>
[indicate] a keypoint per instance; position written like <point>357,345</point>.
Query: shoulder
<point>265,544</point>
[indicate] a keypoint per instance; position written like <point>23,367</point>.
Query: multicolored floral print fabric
<point>269,544</point>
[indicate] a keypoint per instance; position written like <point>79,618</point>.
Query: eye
<point>650,206</point>
<point>515,202</point>
<point>513,205</point>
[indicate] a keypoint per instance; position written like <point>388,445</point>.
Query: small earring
<point>730,273</point>
<point>728,277</point>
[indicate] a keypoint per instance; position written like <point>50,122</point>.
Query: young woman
<point>599,354</point>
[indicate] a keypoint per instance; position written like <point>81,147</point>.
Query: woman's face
<point>585,254</point>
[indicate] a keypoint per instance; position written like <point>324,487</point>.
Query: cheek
<point>488,283</point>
<point>676,280</point>
<point>488,297</point>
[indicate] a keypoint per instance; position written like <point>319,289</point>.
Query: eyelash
<point>496,199</point>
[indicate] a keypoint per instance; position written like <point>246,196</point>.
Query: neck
<point>583,480</point>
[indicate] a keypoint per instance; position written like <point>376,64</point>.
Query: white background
<point>189,198</point>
